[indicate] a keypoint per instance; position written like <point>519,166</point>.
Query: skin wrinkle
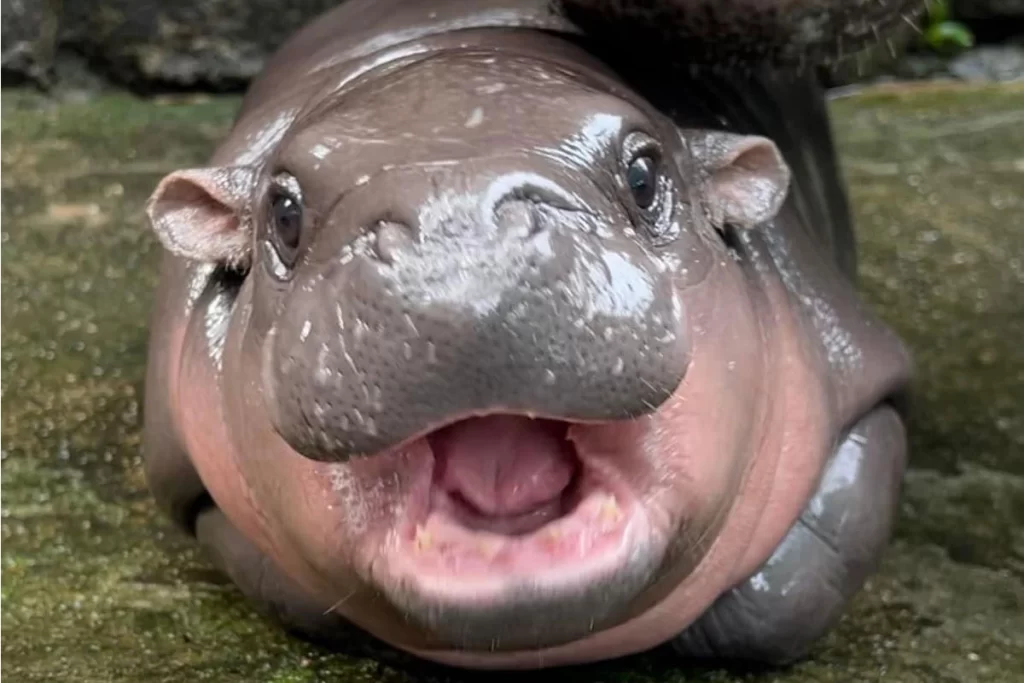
<point>399,167</point>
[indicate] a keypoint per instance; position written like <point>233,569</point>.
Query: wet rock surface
<point>29,35</point>
<point>214,44</point>
<point>98,587</point>
<point>1002,62</point>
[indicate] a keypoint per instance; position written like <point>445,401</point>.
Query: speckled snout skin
<point>471,260</point>
<point>432,212</point>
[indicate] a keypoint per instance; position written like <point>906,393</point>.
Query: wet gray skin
<point>387,329</point>
<point>428,213</point>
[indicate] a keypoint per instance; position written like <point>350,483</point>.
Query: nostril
<point>520,217</point>
<point>527,197</point>
<point>392,240</point>
<point>541,192</point>
<point>526,204</point>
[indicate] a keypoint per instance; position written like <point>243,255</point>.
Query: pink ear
<point>203,213</point>
<point>746,177</point>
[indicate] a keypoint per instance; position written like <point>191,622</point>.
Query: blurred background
<point>218,45</point>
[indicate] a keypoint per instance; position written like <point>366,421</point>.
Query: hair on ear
<point>203,214</point>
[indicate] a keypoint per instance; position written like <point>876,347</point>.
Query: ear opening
<point>746,178</point>
<point>202,214</point>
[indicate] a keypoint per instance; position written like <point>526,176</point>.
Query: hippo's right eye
<point>649,187</point>
<point>286,224</point>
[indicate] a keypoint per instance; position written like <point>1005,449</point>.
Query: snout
<point>432,298</point>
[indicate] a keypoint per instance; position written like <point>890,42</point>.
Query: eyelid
<point>640,143</point>
<point>288,183</point>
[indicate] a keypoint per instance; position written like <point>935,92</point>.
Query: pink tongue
<point>504,464</point>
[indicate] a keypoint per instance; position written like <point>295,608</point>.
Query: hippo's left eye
<point>642,177</point>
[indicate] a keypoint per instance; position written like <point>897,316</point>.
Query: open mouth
<point>505,475</point>
<point>514,503</point>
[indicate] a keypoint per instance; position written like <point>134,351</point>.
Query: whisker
<point>340,602</point>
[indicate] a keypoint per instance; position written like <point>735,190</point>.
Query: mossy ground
<point>97,587</point>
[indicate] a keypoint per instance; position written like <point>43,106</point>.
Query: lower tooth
<point>610,511</point>
<point>552,537</point>
<point>423,539</point>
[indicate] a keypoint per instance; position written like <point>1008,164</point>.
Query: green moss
<point>935,176</point>
<point>97,587</point>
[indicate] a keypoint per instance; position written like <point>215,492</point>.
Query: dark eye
<point>286,215</point>
<point>647,175</point>
<point>642,177</point>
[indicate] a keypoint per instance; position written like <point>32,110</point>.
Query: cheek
<point>209,435</point>
<point>341,516</point>
<point>708,433</point>
<point>327,521</point>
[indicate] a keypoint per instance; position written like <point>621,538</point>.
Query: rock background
<point>147,44</point>
<point>29,39</point>
<point>218,45</point>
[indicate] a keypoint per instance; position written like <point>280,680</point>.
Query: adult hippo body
<point>515,352</point>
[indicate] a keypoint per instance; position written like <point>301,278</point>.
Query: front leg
<point>798,595</point>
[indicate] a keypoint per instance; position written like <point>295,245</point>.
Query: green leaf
<point>949,34</point>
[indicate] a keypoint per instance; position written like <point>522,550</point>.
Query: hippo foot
<point>800,592</point>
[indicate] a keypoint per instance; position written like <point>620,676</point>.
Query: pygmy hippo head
<point>494,375</point>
